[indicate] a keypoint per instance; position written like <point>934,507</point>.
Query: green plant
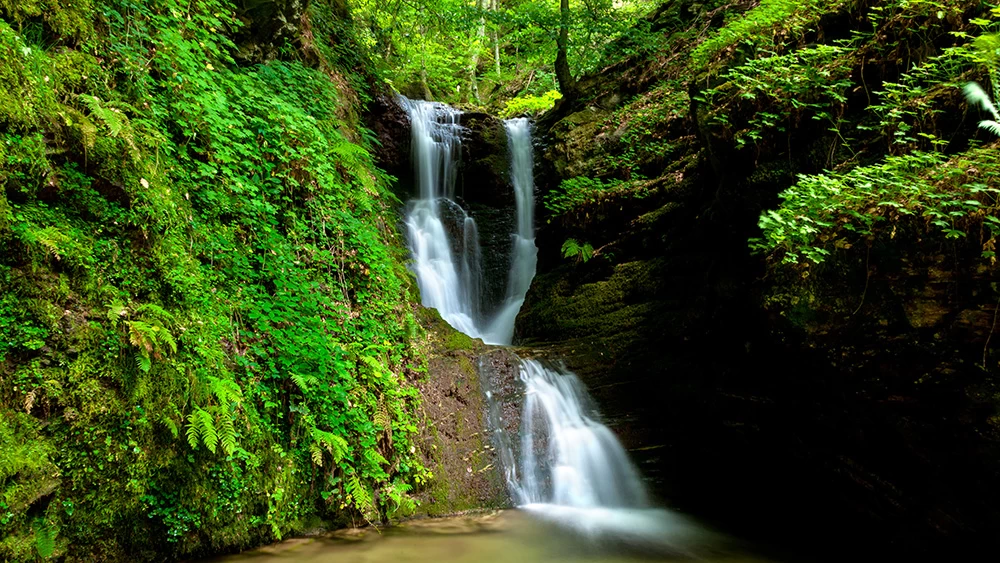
<point>828,211</point>
<point>581,252</point>
<point>976,96</point>
<point>530,104</point>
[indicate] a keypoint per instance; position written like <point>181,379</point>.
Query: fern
<point>45,539</point>
<point>316,452</point>
<point>360,496</point>
<point>201,429</point>
<point>114,121</point>
<point>374,458</point>
<point>303,382</point>
<point>334,444</point>
<point>373,363</point>
<point>381,418</point>
<point>227,433</point>
<point>572,249</point>
<point>396,493</point>
<point>976,96</point>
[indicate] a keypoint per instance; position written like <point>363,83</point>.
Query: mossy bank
<point>207,339</point>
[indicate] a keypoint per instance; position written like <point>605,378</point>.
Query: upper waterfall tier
<point>444,239</point>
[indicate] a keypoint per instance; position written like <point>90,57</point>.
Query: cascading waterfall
<point>568,457</point>
<point>568,467</point>
<point>564,465</point>
<point>523,252</point>
<point>448,268</point>
<point>448,278</point>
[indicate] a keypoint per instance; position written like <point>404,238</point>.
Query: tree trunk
<point>496,45</point>
<point>474,55</point>
<point>566,83</point>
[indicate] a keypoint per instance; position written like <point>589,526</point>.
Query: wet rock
<point>454,438</point>
<point>391,126</point>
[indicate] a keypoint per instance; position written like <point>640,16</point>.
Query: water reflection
<point>510,536</point>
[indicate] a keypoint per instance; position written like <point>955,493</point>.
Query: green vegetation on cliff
<point>873,92</point>
<point>204,316</point>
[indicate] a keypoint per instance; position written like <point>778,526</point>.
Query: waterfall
<point>567,467</point>
<point>523,251</point>
<point>444,240</point>
<point>448,274</point>
<point>568,457</point>
<point>564,464</point>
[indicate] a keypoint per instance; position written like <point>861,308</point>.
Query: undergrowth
<point>204,316</point>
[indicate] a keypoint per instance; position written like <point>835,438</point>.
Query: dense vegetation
<point>776,70</point>
<point>495,52</point>
<point>206,329</point>
<point>204,314</point>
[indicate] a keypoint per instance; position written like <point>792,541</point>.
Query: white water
<point>447,282</point>
<point>568,457</point>
<point>449,272</point>
<point>566,466</point>
<point>500,329</point>
<point>571,469</point>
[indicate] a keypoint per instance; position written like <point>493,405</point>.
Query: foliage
<point>811,80</point>
<point>573,192</point>
<point>755,30</point>
<point>950,194</point>
<point>530,104</point>
<point>492,51</point>
<point>203,308</point>
<point>825,212</point>
<point>581,252</point>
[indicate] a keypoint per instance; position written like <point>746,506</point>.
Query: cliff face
<point>854,399</point>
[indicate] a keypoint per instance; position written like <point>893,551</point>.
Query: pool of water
<point>514,536</point>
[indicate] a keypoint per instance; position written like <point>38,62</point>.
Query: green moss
<point>459,341</point>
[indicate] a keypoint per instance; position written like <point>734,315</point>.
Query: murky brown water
<point>510,536</point>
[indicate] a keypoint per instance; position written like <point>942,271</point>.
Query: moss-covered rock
<point>454,436</point>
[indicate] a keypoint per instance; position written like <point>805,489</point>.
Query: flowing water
<point>580,497</point>
<point>444,239</point>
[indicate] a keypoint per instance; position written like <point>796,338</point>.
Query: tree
<point>567,84</point>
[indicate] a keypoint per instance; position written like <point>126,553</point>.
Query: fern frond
<point>976,96</point>
<point>316,453</point>
<point>381,418</point>
<point>360,495</point>
<point>226,391</point>
<point>165,337</point>
<point>373,363</point>
<point>375,458</point>
<point>336,445</point>
<point>170,424</point>
<point>300,382</point>
<point>201,428</point>
<point>45,539</point>
<point>158,313</point>
<point>209,435</point>
<point>193,435</point>
<point>227,433</point>
<point>991,126</point>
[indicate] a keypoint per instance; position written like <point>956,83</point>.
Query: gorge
<point>368,280</point>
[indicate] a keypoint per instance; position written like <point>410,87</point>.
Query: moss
<point>459,341</point>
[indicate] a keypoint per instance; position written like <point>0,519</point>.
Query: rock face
<point>853,404</point>
<point>390,124</point>
<point>484,187</point>
<point>455,435</point>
